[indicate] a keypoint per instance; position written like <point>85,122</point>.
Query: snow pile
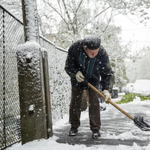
<point>51,144</point>
<point>142,87</point>
<point>136,100</point>
<point>123,136</point>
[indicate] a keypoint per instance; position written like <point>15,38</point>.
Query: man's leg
<point>94,111</point>
<point>75,108</point>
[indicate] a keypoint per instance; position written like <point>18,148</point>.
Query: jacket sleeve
<point>70,65</point>
<point>112,80</point>
<point>105,71</point>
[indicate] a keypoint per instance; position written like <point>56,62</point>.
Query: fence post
<point>47,92</point>
<point>34,124</point>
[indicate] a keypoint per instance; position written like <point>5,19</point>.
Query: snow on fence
<point>59,81</point>
<point>11,35</point>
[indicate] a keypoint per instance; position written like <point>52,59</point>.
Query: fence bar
<point>4,130</point>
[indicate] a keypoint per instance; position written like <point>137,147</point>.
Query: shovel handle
<point>96,90</point>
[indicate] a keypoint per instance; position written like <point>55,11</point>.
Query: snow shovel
<point>138,120</point>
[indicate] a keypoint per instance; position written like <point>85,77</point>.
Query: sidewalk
<point>116,129</point>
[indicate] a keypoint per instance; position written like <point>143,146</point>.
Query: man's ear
<point>84,47</point>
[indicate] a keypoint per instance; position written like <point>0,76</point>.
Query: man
<point>88,60</point>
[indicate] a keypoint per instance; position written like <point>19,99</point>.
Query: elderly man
<point>88,60</point>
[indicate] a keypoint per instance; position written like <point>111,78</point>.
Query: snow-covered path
<point>116,128</point>
<point>118,132</point>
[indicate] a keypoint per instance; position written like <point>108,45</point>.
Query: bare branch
<point>79,5</point>
<point>59,6</point>
<point>110,18</point>
<point>94,18</point>
<point>57,13</point>
<point>69,18</point>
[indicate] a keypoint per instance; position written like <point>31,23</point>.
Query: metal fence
<point>11,35</point>
<point>59,80</point>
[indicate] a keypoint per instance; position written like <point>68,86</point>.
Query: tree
<point>116,53</point>
<point>72,18</point>
<point>76,16</point>
<point>139,69</point>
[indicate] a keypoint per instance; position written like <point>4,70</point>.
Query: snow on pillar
<point>30,20</point>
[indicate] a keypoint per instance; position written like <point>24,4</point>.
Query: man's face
<point>91,53</point>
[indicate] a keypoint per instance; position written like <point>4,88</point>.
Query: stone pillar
<point>31,92</point>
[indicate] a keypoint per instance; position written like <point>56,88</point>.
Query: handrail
<point>11,14</point>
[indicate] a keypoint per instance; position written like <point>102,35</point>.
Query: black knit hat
<point>92,42</point>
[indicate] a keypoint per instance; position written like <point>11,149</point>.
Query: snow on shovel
<point>138,120</point>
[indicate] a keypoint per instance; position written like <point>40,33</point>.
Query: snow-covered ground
<point>51,143</point>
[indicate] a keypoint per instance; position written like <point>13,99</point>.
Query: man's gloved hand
<point>107,95</point>
<point>79,76</point>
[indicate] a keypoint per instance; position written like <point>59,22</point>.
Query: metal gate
<point>11,34</point>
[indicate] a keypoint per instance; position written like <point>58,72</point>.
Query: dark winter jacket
<point>93,69</point>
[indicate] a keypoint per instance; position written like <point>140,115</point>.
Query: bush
<point>130,97</point>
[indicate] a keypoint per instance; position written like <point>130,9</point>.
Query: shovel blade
<point>139,122</point>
